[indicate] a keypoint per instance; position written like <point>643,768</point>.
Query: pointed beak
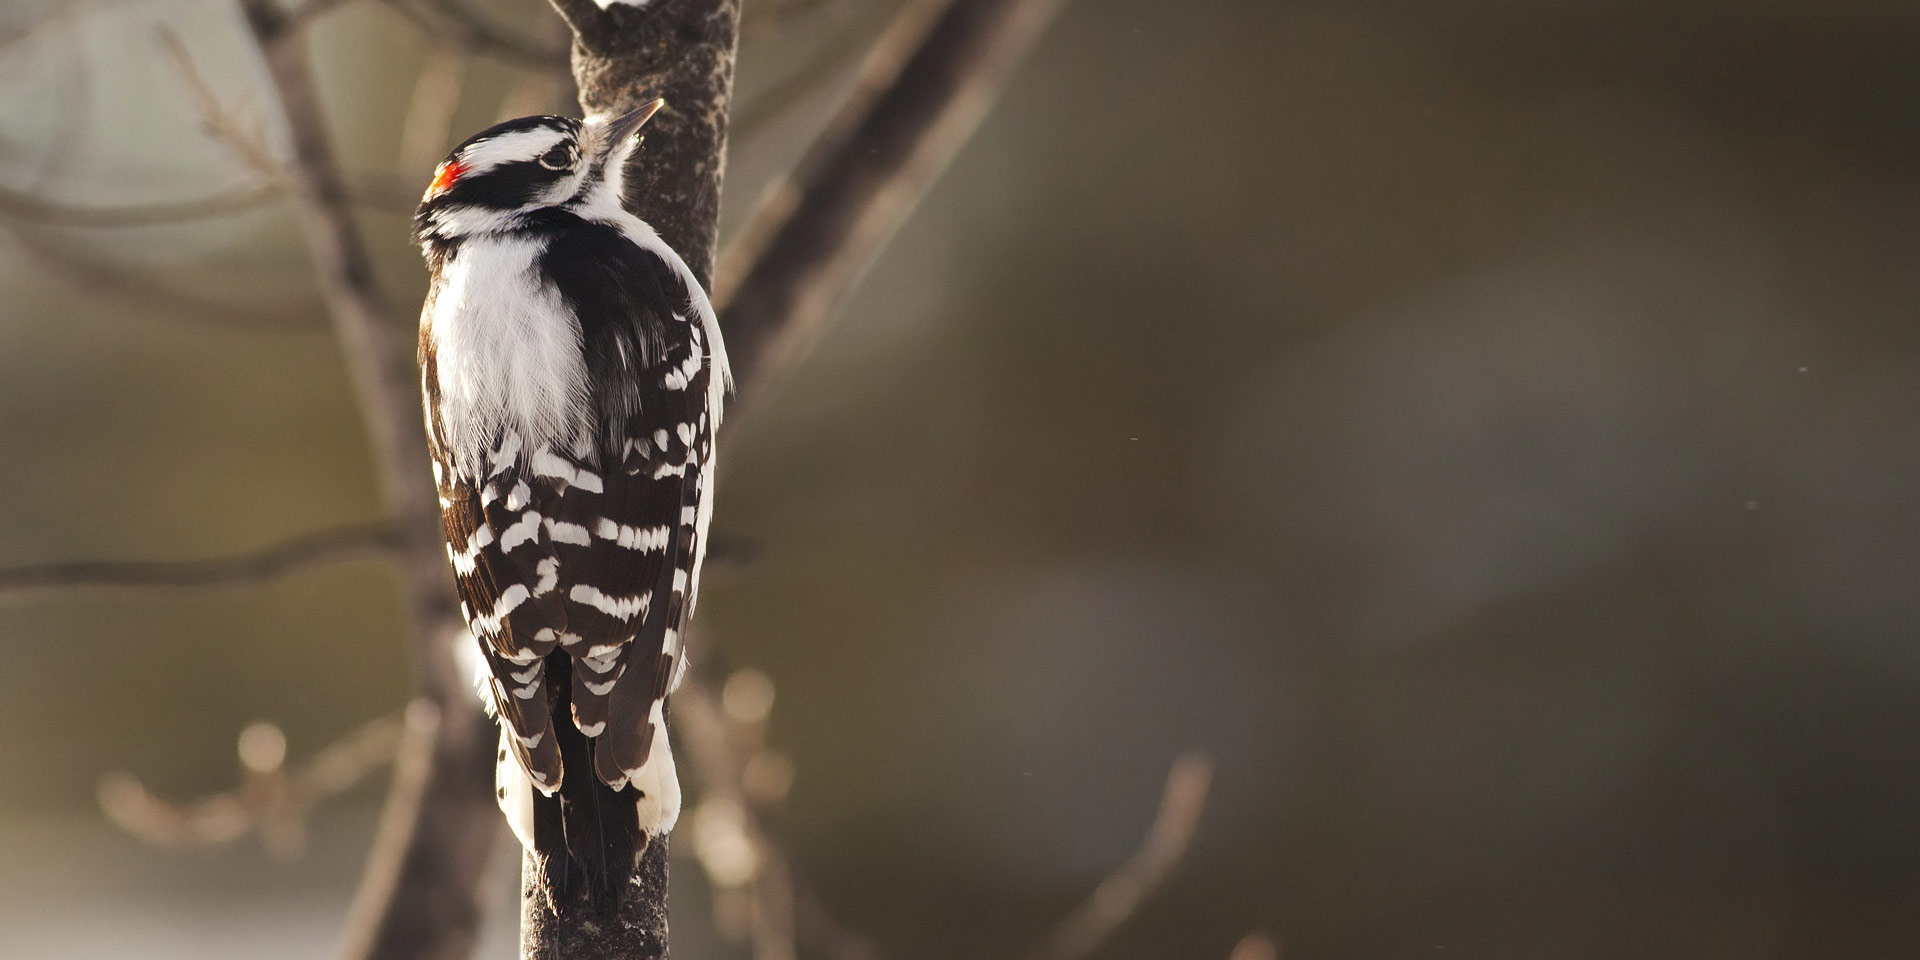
<point>621,130</point>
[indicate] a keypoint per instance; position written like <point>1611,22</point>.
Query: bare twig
<point>310,12</point>
<point>327,546</point>
<point>436,95</point>
<point>753,886</point>
<point>270,800</point>
<point>757,114</point>
<point>452,22</point>
<point>733,844</point>
<point>229,125</point>
<point>50,17</point>
<point>169,296</point>
<point>73,91</point>
<point>922,92</point>
<point>19,205</point>
<point>370,192</point>
<point>1118,896</point>
<point>763,21</point>
<point>419,897</point>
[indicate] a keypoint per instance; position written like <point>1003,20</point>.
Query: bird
<point>573,378</point>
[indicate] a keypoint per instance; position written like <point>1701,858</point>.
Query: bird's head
<point>490,183</point>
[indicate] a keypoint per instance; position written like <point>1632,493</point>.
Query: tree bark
<point>681,50</point>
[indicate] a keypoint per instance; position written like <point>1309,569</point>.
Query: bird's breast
<point>507,352</point>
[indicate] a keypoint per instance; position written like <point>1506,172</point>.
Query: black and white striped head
<point>490,183</point>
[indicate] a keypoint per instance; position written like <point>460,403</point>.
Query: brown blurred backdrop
<point>1487,427</point>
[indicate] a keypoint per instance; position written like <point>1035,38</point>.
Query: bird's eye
<point>559,158</point>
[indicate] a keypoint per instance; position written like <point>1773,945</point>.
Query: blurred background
<point>1486,428</point>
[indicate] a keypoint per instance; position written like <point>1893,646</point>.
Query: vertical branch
<point>682,50</point>
<point>420,889</point>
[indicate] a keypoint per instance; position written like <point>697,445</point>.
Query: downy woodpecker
<point>574,376</point>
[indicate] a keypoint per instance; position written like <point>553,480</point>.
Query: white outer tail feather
<point>657,779</point>
<point>515,791</point>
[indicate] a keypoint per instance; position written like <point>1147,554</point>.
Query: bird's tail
<point>587,837</point>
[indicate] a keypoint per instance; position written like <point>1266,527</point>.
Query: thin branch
<point>259,566</point>
<point>723,749</point>
<point>420,897</point>
<point>31,27</point>
<point>922,91</point>
<point>50,17</point>
<point>370,192</point>
<point>73,93</point>
<point>765,21</point>
<point>229,125</point>
<point>160,291</point>
<point>270,800</point>
<point>429,118</point>
<point>310,12</point>
<point>1118,896</point>
<point>19,205</point>
<point>367,327</point>
<point>756,115</point>
<point>452,22</point>
<point>382,875</point>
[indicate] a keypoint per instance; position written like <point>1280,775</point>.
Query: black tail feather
<point>587,836</point>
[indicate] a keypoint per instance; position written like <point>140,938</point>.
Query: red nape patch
<point>443,178</point>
